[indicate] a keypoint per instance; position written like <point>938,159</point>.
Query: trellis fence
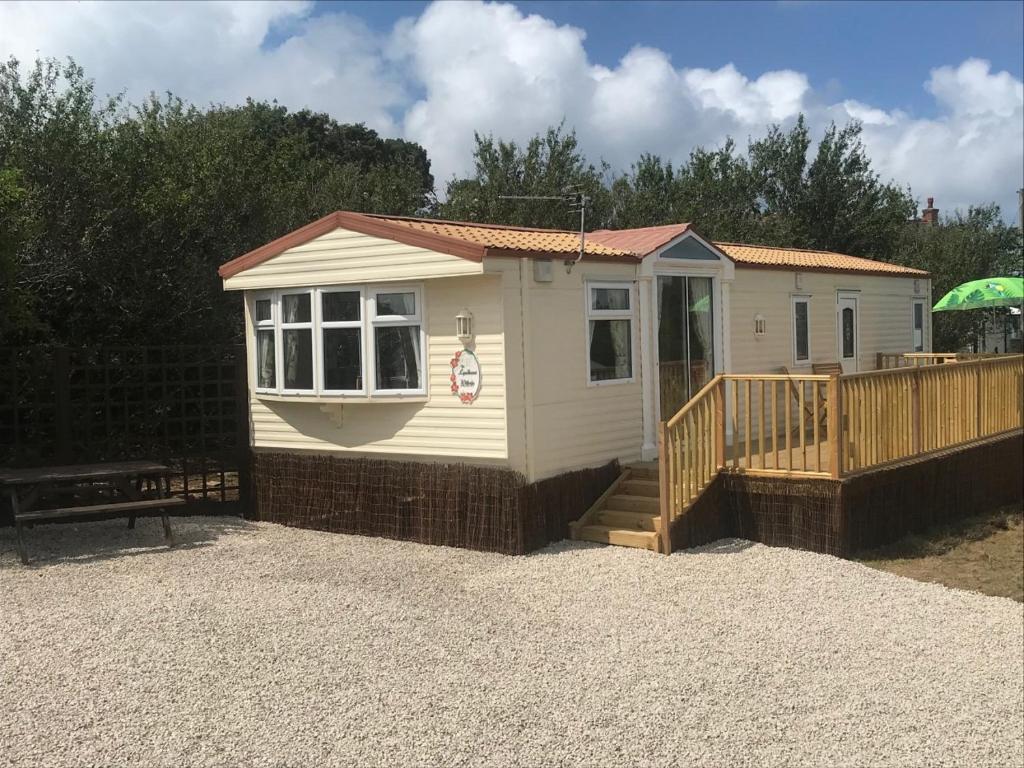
<point>186,406</point>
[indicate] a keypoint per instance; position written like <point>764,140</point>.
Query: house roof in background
<point>474,241</point>
<point>771,257</point>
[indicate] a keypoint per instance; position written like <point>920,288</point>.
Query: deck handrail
<point>831,426</point>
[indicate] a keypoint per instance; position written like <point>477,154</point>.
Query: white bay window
<point>340,341</point>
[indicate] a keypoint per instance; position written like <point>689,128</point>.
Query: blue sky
<point>938,86</point>
<point>876,52</point>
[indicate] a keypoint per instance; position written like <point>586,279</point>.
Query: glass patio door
<point>686,360</point>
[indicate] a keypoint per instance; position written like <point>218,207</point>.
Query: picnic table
<point>128,487</point>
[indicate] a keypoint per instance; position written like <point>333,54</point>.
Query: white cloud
<point>492,68</point>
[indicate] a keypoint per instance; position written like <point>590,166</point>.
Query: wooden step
<point>647,470</point>
<point>632,521</point>
<point>640,488</point>
<point>629,503</point>
<point>620,537</point>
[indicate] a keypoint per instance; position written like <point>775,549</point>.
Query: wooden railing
<point>887,360</point>
<point>831,426</point>
<point>690,451</point>
<point>895,414</point>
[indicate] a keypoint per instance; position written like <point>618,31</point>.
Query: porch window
<point>801,329</point>
<point>609,332</point>
<point>917,325</point>
<point>327,341</point>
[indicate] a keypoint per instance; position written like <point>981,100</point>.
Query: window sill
<point>320,399</point>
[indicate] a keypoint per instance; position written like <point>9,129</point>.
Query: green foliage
<point>125,212</point>
<point>965,247</point>
<point>548,165</point>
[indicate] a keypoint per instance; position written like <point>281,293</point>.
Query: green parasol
<point>982,294</point>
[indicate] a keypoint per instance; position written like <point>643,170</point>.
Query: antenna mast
<point>577,201</point>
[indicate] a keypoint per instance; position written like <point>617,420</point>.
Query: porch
<point>797,428</point>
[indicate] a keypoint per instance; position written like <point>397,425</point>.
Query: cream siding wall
<point>442,427</point>
<point>574,425</point>
<point>342,256</point>
<point>885,317</point>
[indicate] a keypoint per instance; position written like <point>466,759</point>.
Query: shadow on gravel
<point>89,542</point>
<point>719,547</point>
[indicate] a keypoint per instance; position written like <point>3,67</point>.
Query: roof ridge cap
<point>479,224</point>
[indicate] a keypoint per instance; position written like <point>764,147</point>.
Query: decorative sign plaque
<point>465,376</point>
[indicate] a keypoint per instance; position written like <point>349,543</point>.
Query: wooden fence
<point>895,414</point>
<point>186,406</point>
<point>886,360</point>
<point>833,426</point>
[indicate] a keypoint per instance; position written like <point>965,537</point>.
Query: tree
<point>126,211</point>
<point>548,165</point>
<point>962,247</point>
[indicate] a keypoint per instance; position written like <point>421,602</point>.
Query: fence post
<point>835,425</point>
<point>62,404</point>
<point>977,401</point>
<point>720,424</point>
<point>915,410</point>
<point>243,449</point>
<point>663,489</point>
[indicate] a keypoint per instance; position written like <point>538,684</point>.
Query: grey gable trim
<point>689,248</point>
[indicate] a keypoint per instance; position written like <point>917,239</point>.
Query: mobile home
<point>434,347</point>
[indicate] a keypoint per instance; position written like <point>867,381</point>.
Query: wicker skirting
<point>841,517</point>
<point>456,505</point>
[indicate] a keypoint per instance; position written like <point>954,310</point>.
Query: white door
<point>847,332</point>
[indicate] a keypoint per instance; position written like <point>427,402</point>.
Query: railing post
<point>915,411</point>
<point>977,401</point>
<point>835,425</point>
<point>720,424</point>
<point>663,489</point>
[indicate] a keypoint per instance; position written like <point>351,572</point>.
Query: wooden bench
<point>26,487</point>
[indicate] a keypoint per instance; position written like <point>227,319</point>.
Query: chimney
<point>930,215</point>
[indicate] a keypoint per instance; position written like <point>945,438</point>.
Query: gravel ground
<point>258,645</point>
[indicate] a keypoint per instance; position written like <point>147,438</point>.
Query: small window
<point>297,342</point>
<point>848,341</point>
<point>266,347</point>
<point>397,341</point>
<point>917,325</point>
<point>610,332</point>
<point>801,329</point>
<point>341,337</point>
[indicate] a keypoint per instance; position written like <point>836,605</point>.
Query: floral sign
<point>465,376</point>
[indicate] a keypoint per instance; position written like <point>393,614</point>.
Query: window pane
<point>295,308</point>
<point>398,357</point>
<point>848,345</point>
<point>701,332</point>
<point>610,350</point>
<point>340,305</point>
<point>609,298</point>
<point>343,365</point>
<point>263,308</point>
<point>265,361</point>
<point>919,316</point>
<point>298,358</point>
<point>800,319</point>
<point>396,304</point>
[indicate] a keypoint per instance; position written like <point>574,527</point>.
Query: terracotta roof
<point>554,242</point>
<point>640,241</point>
<point>813,261</point>
<point>473,241</point>
<point>463,239</point>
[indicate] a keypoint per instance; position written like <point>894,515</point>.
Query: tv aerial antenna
<point>577,202</point>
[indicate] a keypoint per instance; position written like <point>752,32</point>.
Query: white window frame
<point>794,300</point>
<point>395,321</point>
<point>610,314</point>
<point>914,303</point>
<point>282,326</point>
<point>367,323</point>
<point>323,325</point>
<point>258,325</point>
